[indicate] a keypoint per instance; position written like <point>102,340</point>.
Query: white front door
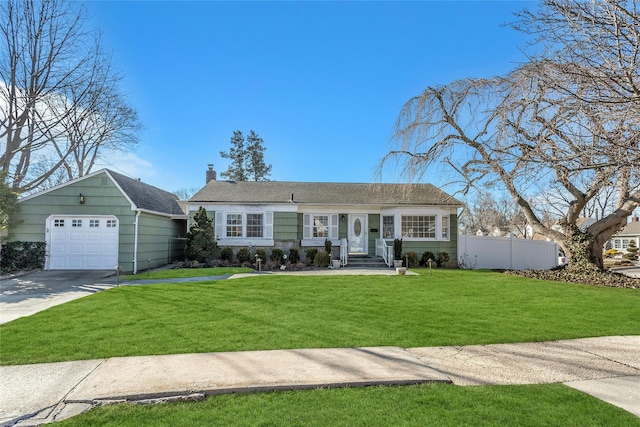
<point>358,234</point>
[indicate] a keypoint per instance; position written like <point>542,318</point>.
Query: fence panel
<point>506,253</point>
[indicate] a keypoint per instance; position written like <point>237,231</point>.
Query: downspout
<point>135,242</point>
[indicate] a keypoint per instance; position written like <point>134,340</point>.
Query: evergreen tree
<point>257,169</point>
<point>8,206</point>
<point>201,243</point>
<point>238,156</point>
<point>632,251</point>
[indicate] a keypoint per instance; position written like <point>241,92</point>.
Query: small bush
<point>412,259</point>
<point>632,251</point>
<point>327,246</point>
<point>322,259</point>
<point>260,253</point>
<point>243,255</point>
<point>276,255</point>
<point>310,255</point>
<point>294,256</point>
<point>17,256</point>
<point>226,254</point>
<point>610,253</point>
<point>442,258</point>
<point>426,256</point>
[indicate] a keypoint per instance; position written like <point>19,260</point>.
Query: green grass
<point>179,273</point>
<point>452,307</point>
<point>441,405</point>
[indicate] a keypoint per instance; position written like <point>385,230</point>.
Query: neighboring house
<point>302,215</point>
<point>631,231</point>
<point>103,220</point>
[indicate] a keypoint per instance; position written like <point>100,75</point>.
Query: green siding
<point>154,232</point>
<point>374,222</point>
<point>285,226</point>
<point>451,247</point>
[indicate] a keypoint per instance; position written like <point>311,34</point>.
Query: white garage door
<point>82,242</point>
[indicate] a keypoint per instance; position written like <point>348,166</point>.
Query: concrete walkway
<point>606,367</point>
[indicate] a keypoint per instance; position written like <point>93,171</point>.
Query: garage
<point>82,242</point>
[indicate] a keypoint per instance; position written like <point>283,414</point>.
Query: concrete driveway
<point>36,291</point>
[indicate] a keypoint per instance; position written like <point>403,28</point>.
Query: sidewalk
<point>606,367</point>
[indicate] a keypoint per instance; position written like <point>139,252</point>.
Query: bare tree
<point>59,101</point>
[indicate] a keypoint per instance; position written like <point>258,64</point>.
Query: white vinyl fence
<point>508,253</point>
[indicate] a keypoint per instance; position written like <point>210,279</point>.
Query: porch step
<point>364,261</point>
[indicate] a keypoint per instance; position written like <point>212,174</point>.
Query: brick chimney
<point>211,174</point>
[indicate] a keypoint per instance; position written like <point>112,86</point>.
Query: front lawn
<point>438,405</point>
<point>180,273</point>
<point>451,307</point>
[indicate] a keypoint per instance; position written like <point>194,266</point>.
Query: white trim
<point>135,242</point>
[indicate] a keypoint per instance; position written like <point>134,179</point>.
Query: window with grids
<point>234,225</point>
<point>76,223</point>
<point>419,226</point>
<point>321,226</point>
<point>111,223</point>
<point>255,225</point>
<point>445,226</point>
<point>58,222</point>
<point>94,223</point>
<point>388,227</point>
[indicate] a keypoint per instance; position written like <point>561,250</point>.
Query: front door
<point>358,234</point>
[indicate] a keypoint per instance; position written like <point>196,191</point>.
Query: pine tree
<point>201,243</point>
<point>238,156</point>
<point>257,169</point>
<point>632,251</point>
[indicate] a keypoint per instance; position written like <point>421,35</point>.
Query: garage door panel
<point>82,242</point>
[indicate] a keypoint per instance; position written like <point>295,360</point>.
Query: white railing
<point>385,251</point>
<point>344,252</point>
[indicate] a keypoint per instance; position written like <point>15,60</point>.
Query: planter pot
<point>335,263</point>
<point>401,270</point>
<point>397,263</point>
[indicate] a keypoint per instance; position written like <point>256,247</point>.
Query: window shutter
<point>333,226</point>
<point>268,225</point>
<point>306,229</point>
<point>219,225</point>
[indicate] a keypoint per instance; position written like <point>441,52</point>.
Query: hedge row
<point>20,256</point>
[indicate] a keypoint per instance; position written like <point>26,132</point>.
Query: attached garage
<point>103,220</point>
<point>82,242</point>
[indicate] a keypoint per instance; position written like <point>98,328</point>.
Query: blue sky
<point>321,82</point>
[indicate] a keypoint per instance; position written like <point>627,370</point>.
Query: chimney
<point>211,174</point>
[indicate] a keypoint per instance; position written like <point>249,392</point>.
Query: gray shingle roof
<point>148,197</point>
<point>631,229</point>
<point>274,192</point>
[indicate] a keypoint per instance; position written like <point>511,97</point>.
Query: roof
<point>631,229</point>
<point>147,197</point>
<point>274,192</point>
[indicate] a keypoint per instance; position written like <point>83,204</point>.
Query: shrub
<point>276,255</point>
<point>426,256</point>
<point>610,253</point>
<point>226,254</point>
<point>442,258</point>
<point>294,256</point>
<point>327,246</point>
<point>310,255</point>
<point>260,253</point>
<point>397,249</point>
<point>17,256</point>
<point>322,259</point>
<point>243,255</point>
<point>412,259</point>
<point>632,251</point>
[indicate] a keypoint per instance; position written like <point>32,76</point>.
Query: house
<point>302,215</point>
<point>103,220</point>
<point>631,231</point>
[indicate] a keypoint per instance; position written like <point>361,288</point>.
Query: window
<point>255,225</point>
<point>58,222</point>
<point>388,227</point>
<point>445,227</point>
<point>111,223</point>
<point>94,223</point>
<point>320,226</point>
<point>419,226</point>
<point>76,223</point>
<point>234,225</point>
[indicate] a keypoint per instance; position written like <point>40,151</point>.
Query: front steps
<point>365,261</point>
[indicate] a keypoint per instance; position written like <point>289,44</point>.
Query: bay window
<point>419,226</point>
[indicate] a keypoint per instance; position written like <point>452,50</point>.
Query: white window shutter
<point>268,225</point>
<point>333,226</point>
<point>220,225</point>
<point>306,229</point>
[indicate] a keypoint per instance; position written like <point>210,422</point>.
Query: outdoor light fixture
<point>81,199</point>
<point>343,218</point>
